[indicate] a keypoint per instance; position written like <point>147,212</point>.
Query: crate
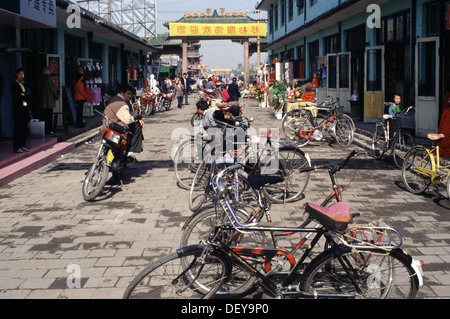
<point>406,120</point>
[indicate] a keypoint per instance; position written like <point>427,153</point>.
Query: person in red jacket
<point>225,95</point>
<point>80,98</point>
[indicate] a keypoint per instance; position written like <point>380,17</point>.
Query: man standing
<point>233,91</point>
<point>48,96</point>
<point>185,88</point>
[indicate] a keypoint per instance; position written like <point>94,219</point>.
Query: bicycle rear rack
<point>370,237</point>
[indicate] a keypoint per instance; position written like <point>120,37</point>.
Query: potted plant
<point>278,91</point>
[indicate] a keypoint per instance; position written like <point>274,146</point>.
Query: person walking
<point>233,91</point>
<point>179,93</point>
<point>185,88</point>
<point>21,112</point>
<point>80,98</point>
<point>48,96</point>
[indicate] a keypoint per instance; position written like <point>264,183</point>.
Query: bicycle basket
<point>405,120</point>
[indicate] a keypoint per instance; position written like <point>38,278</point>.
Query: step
<point>27,164</point>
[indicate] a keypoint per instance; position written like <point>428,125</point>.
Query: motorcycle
<point>208,95</point>
<point>111,156</point>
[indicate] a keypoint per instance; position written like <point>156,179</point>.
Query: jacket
<point>118,111</point>
<point>48,93</point>
<point>80,92</point>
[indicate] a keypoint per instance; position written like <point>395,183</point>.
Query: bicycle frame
<point>436,167</point>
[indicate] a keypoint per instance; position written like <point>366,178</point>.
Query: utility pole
<point>258,46</point>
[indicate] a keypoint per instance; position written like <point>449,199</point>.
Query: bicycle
<point>399,144</point>
<point>200,224</point>
<point>282,161</point>
<point>306,127</point>
<point>422,167</point>
<point>360,261</point>
<point>190,152</point>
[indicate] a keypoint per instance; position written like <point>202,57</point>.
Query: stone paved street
<point>48,234</point>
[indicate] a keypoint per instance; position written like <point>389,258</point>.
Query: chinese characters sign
<point>43,11</point>
<point>217,29</point>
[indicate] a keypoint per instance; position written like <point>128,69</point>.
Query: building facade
<point>69,39</point>
<point>365,51</point>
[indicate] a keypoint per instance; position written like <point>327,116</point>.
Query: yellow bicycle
<point>422,167</point>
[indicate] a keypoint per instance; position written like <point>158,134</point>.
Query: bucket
<point>37,128</point>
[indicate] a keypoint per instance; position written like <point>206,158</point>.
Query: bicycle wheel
<point>286,163</point>
<point>343,131</point>
<point>402,144</point>
<point>198,228</point>
<point>180,275</point>
<point>299,129</point>
<point>200,185</point>
<point>186,161</point>
<point>344,272</point>
<point>448,187</point>
<point>379,141</point>
<point>414,179</point>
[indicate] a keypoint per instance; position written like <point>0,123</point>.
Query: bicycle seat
<point>258,181</point>
<point>335,218</point>
<point>435,136</point>
<point>387,116</point>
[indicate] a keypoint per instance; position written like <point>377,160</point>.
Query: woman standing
<point>80,98</point>
<point>21,112</point>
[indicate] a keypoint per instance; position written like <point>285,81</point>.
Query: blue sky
<point>218,53</point>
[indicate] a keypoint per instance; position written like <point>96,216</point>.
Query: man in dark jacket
<point>233,91</point>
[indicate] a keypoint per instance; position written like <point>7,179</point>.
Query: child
<point>396,107</point>
<point>393,110</point>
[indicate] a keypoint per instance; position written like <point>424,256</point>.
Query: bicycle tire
<point>343,131</point>
<point>196,117</point>
<point>402,144</point>
<point>184,164</point>
<point>96,179</point>
<point>299,130</point>
<point>417,157</point>
<point>448,187</point>
<point>240,282</point>
<point>380,274</point>
<point>289,160</point>
<point>200,183</point>
<point>379,141</point>
<point>169,278</point>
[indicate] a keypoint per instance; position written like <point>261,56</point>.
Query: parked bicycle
<point>360,261</point>
<point>264,158</point>
<point>308,125</point>
<point>399,143</point>
<point>422,167</point>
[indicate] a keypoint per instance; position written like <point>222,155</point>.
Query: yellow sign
<point>217,29</point>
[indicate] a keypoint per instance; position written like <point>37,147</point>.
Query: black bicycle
<point>361,261</point>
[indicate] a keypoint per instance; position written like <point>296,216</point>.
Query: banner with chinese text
<point>217,29</point>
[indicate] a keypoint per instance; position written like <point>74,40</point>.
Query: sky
<point>217,54</point>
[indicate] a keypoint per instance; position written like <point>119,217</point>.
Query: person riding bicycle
<point>118,111</point>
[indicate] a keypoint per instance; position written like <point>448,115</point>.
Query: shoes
<point>21,150</point>
<point>131,158</point>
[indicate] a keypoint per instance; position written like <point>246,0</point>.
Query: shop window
<point>291,10</point>
<point>331,44</point>
<point>344,76</point>
<point>427,68</point>
<point>332,71</point>
<point>374,72</point>
<point>433,19</point>
<point>313,61</point>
